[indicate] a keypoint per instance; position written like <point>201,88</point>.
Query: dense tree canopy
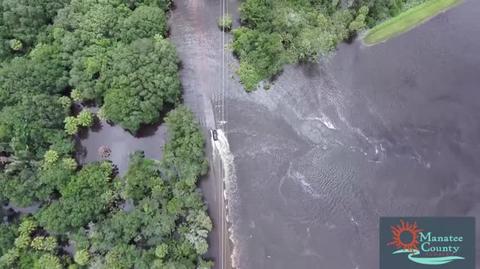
<point>142,78</point>
<point>166,225</point>
<point>21,21</point>
<point>44,71</point>
<point>55,56</point>
<point>27,131</point>
<point>120,58</point>
<point>143,22</point>
<point>83,199</point>
<point>380,10</point>
<point>276,32</point>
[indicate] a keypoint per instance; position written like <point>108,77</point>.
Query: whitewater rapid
<point>222,153</point>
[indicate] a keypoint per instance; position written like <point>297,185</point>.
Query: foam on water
<point>222,151</point>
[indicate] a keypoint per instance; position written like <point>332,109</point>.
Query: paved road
<point>388,130</point>
<point>201,46</point>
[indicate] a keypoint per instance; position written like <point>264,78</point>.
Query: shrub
<point>225,22</point>
<point>85,118</point>
<point>71,125</point>
<point>82,257</point>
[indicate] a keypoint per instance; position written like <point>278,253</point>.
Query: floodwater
<point>387,130</point>
<point>121,143</point>
<point>198,50</point>
<point>199,45</point>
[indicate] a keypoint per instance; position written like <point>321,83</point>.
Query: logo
<point>415,243</point>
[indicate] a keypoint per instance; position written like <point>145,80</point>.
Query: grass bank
<point>407,20</point>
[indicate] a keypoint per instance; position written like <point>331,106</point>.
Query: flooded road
<point>388,130</point>
<point>199,45</point>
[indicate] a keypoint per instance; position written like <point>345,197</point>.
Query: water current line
<point>222,153</point>
<point>224,158</point>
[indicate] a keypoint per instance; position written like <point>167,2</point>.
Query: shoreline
<point>406,21</point>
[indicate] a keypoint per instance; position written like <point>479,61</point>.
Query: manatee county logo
<point>422,246</point>
<point>405,228</point>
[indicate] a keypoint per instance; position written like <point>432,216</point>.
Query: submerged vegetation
<point>279,32</point>
<point>54,56</point>
<point>165,227</point>
<point>407,20</point>
<point>225,23</point>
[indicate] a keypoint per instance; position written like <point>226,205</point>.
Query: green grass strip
<point>407,20</point>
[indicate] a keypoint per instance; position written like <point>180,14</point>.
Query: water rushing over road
<point>221,151</point>
<point>388,130</point>
<point>200,46</point>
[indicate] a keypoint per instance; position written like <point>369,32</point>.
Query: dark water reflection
<point>388,130</point>
<point>149,139</point>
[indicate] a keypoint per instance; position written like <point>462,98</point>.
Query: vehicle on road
<point>214,134</point>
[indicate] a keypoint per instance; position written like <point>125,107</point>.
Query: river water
<point>387,130</point>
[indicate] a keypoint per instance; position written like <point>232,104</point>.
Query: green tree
<point>65,101</point>
<point>163,4</point>
<point>50,157</point>
<point>42,243</point>
<point>33,124</point>
<point>71,125</point>
<point>48,261</point>
<point>141,177</point>
<point>84,198</point>
<point>112,52</point>
<point>121,228</point>
<point>54,177</point>
<point>27,227</point>
<point>91,22</point>
<point>82,257</point>
<point>30,128</point>
<point>44,71</point>
<point>21,21</point>
<point>262,55</point>
<point>225,23</point>
<point>86,73</point>
<point>8,234</point>
<point>205,264</point>
<point>360,21</point>
<point>144,22</point>
<point>143,80</point>
<point>85,118</point>
<point>275,33</point>
<point>161,251</point>
<point>184,153</point>
<point>122,257</point>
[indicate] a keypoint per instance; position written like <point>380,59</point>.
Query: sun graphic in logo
<point>405,227</point>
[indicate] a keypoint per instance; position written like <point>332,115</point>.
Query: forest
<point>279,32</point>
<point>58,56</point>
